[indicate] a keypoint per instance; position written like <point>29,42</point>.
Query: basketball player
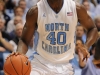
<point>56,21</point>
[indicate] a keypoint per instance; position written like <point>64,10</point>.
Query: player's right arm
<point>28,30</point>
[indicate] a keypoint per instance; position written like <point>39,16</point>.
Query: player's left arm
<point>88,24</point>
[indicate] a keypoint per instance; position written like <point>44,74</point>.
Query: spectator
<point>18,11</point>
<point>9,4</point>
<point>4,34</point>
<point>31,3</point>
<point>3,15</point>
<point>80,33</point>
<point>22,4</point>
<point>16,2</point>
<point>92,7</point>
<point>13,23</point>
<point>97,10</point>
<point>87,7</point>
<point>5,46</point>
<point>5,43</point>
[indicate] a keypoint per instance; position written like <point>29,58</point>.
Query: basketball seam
<point>28,69</point>
<point>6,71</point>
<point>13,66</point>
<point>22,65</point>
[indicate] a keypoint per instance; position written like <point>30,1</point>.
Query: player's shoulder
<point>32,11</point>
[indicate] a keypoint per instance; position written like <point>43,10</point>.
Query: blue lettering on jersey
<point>56,45</point>
<point>66,27</point>
<point>62,25</point>
<point>55,49</point>
<point>53,40</point>
<point>57,27</point>
<point>47,27</point>
<point>52,26</point>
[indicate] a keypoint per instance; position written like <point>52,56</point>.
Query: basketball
<point>17,65</point>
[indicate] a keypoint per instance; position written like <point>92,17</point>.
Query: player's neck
<point>55,2</point>
<point>56,5</point>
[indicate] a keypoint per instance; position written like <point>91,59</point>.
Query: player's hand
<point>81,62</point>
<point>82,48</point>
<point>16,53</point>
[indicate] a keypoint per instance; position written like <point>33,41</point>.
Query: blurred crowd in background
<point>12,20</point>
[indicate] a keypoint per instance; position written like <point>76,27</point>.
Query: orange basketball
<point>17,65</point>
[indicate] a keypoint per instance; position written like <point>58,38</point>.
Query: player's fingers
<point>86,58</point>
<point>80,55</point>
<point>7,57</point>
<point>83,59</point>
<point>88,55</point>
<point>17,53</point>
<point>78,51</point>
<point>84,52</point>
<point>13,53</point>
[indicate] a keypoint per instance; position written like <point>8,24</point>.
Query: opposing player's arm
<point>28,30</point>
<point>88,24</point>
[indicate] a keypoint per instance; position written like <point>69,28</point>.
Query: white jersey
<point>56,31</point>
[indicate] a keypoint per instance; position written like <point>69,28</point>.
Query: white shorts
<point>41,66</point>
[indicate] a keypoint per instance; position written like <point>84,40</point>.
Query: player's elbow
<point>93,29</point>
<point>96,31</point>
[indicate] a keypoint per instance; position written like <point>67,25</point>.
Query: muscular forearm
<point>91,37</point>
<point>22,47</point>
